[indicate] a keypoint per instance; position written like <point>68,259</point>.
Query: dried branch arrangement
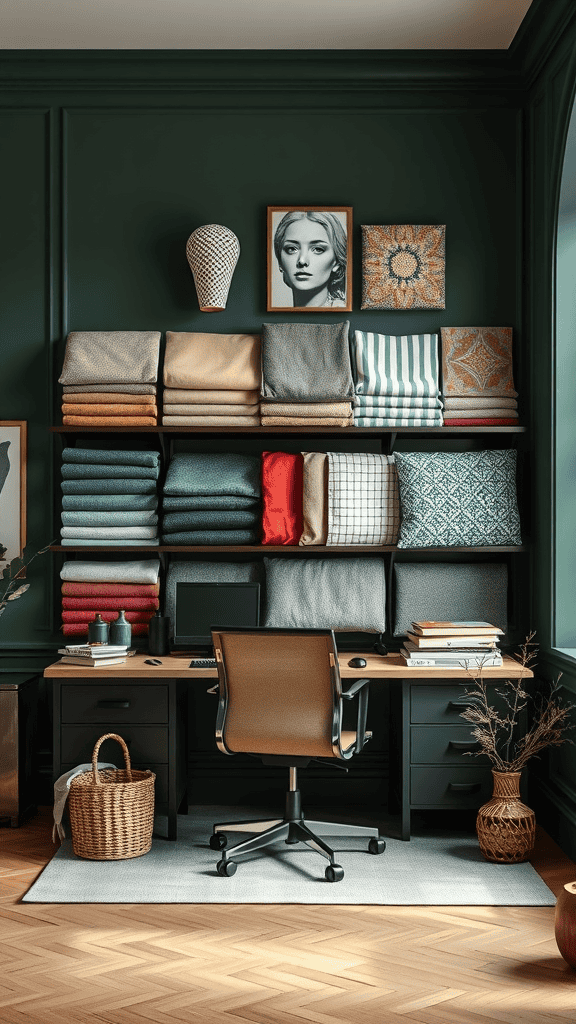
<point>494,731</point>
<point>13,574</point>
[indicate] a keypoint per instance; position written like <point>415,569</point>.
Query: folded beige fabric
<point>211,421</point>
<point>109,421</point>
<point>212,361</point>
<point>335,409</point>
<point>305,421</point>
<point>186,396</point>
<point>212,410</point>
<point>112,398</point>
<point>493,412</point>
<point>104,389</point>
<point>111,357</point>
<point>314,498</point>
<point>475,402</point>
<point>107,409</point>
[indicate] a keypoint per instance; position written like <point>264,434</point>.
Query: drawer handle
<point>466,745</point>
<point>113,704</point>
<point>464,787</point>
<point>460,703</point>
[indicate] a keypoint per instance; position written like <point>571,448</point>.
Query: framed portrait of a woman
<point>309,258</point>
<point>12,489</point>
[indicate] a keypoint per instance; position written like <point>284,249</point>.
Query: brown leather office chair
<point>280,698</point>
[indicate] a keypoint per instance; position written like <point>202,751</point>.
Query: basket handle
<point>110,736</point>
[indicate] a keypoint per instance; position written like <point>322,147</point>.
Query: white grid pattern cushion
<point>363,501</point>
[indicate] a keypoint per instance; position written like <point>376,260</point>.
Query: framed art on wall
<point>403,266</point>
<point>309,256</point>
<point>12,488</point>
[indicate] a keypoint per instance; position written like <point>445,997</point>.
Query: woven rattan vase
<point>506,827</point>
<point>212,252</point>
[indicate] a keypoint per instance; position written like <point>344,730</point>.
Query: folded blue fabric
<point>105,471</point>
<point>219,473</point>
<point>218,519</point>
<point>109,502</point>
<point>190,502</point>
<point>213,537</point>
<point>103,486</point>
<point>100,456</point>
<point>109,518</point>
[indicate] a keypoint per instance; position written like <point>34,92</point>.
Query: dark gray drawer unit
<point>150,717</point>
<point>428,769</point>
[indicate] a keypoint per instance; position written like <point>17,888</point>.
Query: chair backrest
<point>279,692</point>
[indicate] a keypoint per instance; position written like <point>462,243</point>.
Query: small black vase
<point>98,630</point>
<point>158,629</point>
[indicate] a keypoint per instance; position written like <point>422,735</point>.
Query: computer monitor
<point>200,606</point>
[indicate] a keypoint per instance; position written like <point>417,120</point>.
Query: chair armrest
<point>214,689</point>
<point>353,690</point>
<point>359,687</point>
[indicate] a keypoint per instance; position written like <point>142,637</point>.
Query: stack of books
<point>470,645</point>
<point>94,654</point>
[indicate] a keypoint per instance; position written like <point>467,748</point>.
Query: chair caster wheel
<point>226,867</point>
<point>334,873</point>
<point>377,845</point>
<point>218,841</point>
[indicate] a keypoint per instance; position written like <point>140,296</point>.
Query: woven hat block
<point>212,252</point>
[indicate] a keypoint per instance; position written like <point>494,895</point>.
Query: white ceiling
<point>259,24</point>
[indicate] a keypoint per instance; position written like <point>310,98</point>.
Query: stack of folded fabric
<point>109,497</point>
<point>477,377</point>
<point>282,490</point>
<point>89,588</point>
<point>211,380</point>
<point>306,376</point>
<point>397,380</point>
<point>109,379</point>
<point>212,499</point>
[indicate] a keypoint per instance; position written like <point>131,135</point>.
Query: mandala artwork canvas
<point>477,361</point>
<point>403,266</point>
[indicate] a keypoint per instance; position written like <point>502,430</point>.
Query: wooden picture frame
<point>13,438</point>
<point>307,278</point>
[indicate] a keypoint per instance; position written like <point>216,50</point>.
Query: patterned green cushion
<point>450,499</point>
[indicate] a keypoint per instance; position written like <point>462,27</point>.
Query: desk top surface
<point>389,666</point>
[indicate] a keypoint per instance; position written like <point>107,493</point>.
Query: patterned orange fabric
<point>109,421</point>
<point>477,361</point>
<point>282,489</point>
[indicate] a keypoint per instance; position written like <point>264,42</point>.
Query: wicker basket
<point>112,810</point>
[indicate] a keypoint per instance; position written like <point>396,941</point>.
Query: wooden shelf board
<point>266,431</point>
<point>291,548</point>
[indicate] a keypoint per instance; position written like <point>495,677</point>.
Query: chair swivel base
<point>292,828</point>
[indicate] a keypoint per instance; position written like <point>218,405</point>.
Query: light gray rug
<point>433,869</point>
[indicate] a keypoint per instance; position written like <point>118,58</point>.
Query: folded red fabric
<point>488,422</point>
<point>81,629</point>
<point>77,615</point>
<point>99,604</point>
<point>111,589</point>
<point>282,475</point>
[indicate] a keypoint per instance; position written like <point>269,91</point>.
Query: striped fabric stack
<point>396,380</point>
<point>477,377</point>
<point>211,380</point>
<point>89,588</point>
<point>109,497</point>
<point>109,379</point>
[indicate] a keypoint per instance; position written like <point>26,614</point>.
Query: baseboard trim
<point>556,814</point>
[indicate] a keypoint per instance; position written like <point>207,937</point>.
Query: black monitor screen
<point>199,606</point>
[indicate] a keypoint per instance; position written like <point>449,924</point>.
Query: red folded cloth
<point>77,615</point>
<point>111,589</point>
<point>488,422</point>
<point>81,629</point>
<point>99,604</point>
<point>282,485</point>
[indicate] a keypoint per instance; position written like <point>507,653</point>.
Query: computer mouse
<point>357,663</point>
<point>152,661</point>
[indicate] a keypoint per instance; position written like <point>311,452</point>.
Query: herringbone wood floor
<point>266,964</point>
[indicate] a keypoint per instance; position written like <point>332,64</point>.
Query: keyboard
<point>203,663</point>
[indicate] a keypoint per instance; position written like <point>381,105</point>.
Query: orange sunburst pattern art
<point>403,266</point>
<point>477,361</point>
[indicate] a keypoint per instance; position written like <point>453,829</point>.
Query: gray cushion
<point>443,591</point>
<point>326,593</point>
<point>213,473</point>
<point>306,363</point>
<point>449,499</point>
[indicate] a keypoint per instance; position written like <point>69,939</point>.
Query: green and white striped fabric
<point>386,364</point>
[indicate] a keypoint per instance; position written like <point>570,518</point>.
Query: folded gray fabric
<point>108,487</point>
<point>111,389</point>
<point>191,502</point>
<point>398,421</point>
<point>220,473</point>
<point>140,571</point>
<point>109,502</point>
<point>213,537</point>
<point>83,471</point>
<point>111,357</point>
<point>306,363</point>
<point>110,532</point>
<point>121,542</point>
<point>208,572</point>
<point>497,412</point>
<point>109,518</point>
<point>476,402</point>
<point>99,456</point>
<point>216,519</point>
<point>397,402</point>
